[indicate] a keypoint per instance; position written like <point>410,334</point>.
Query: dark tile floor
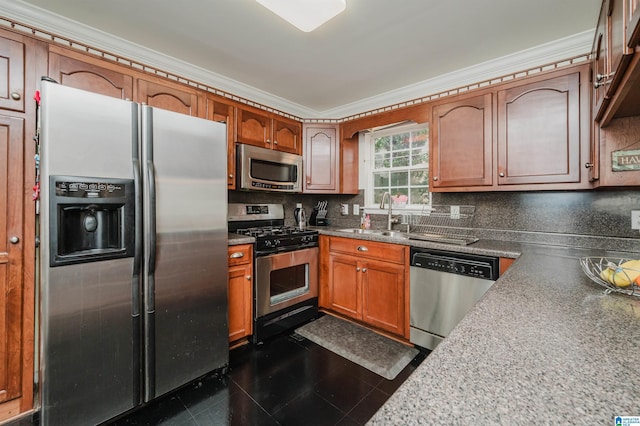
<point>284,381</point>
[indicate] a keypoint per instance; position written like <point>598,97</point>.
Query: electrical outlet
<point>455,212</point>
<point>356,209</point>
<point>635,219</point>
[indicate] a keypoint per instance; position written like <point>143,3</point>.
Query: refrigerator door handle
<point>151,175</point>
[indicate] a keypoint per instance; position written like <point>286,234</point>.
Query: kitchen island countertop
<point>545,345</point>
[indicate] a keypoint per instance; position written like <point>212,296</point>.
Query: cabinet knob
<point>364,269</point>
<point>230,176</point>
<point>248,277</point>
<point>435,178</point>
<point>236,255</point>
<point>268,140</point>
<point>588,165</point>
<point>358,269</point>
<point>363,248</point>
<point>14,240</point>
<point>501,174</point>
<point>15,96</point>
<point>275,142</point>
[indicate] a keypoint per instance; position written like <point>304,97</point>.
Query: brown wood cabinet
<point>172,97</point>
<point>539,132</point>
<point>321,159</point>
<point>533,134</point>
<point>218,109</point>
<point>366,281</point>
<point>23,62</point>
<point>240,291</point>
<point>86,73</point>
<point>462,134</point>
<point>254,127</point>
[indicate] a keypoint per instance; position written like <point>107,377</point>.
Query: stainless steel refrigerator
<point>133,253</point>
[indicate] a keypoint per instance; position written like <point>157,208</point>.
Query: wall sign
<point>625,160</point>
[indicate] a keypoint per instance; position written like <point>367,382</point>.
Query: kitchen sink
<point>391,234</point>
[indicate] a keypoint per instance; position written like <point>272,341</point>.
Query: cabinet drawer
<point>239,255</point>
<point>368,249</point>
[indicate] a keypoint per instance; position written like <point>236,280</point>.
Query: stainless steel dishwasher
<point>444,286</point>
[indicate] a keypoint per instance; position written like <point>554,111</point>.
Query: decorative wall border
<point>139,66</point>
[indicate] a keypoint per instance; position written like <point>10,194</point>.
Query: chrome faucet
<point>387,196</point>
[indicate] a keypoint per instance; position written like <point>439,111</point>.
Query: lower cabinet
<point>366,281</point>
<point>240,291</point>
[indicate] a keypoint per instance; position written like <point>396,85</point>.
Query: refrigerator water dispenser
<point>92,219</point>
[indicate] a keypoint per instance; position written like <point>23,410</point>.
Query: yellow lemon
<point>625,274</point>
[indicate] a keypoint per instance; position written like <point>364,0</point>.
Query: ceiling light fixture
<point>307,15</point>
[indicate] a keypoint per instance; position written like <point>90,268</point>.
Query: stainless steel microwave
<point>263,169</point>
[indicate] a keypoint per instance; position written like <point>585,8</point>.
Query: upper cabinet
<point>321,159</point>
<point>462,142</point>
<point>532,134</point>
<point>92,75</point>
<point>616,67</point>
<point>265,130</point>
<point>219,109</point>
<point>12,74</point>
<point>165,95</point>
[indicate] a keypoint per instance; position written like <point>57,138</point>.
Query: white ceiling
<point>374,47</point>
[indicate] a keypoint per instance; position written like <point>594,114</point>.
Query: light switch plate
<point>635,219</point>
<point>356,209</point>
<point>455,212</point>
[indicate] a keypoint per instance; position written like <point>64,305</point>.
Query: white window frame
<point>366,170</point>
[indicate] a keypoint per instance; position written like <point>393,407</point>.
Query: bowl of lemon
<point>615,274</point>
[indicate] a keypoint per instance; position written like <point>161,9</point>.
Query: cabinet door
<point>618,10</point>
<point>600,64</point>
<point>461,147</point>
<point>88,76</point>
<point>287,136</point>
<point>344,286</point>
<point>12,74</point>
<point>218,110</point>
<point>633,24</point>
<point>11,257</point>
<point>240,298</point>
<point>539,132</point>
<point>165,96</point>
<point>253,128</point>
<point>383,296</point>
<point>321,158</point>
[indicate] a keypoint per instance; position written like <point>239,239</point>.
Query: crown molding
<point>575,45</point>
<point>57,24</point>
<point>555,51</point>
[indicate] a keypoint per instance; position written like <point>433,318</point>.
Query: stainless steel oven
<point>285,270</point>
<point>285,279</point>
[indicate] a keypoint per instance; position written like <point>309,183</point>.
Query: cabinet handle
<point>248,277</point>
<point>600,77</point>
<point>363,248</point>
<point>364,269</point>
<point>15,96</point>
<point>357,269</point>
<point>275,142</point>
<point>435,178</point>
<point>501,174</point>
<point>230,176</point>
<point>588,165</point>
<point>268,140</point>
<point>236,255</point>
<point>14,240</point>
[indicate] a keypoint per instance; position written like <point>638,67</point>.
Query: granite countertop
<point>544,345</point>
<point>237,239</point>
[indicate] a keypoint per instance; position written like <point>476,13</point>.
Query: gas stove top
<point>265,222</point>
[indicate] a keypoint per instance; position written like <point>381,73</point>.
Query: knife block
<point>318,217</point>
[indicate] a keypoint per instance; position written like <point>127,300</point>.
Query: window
<point>397,161</point>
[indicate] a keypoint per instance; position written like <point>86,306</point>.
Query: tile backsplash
<point>603,214</point>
